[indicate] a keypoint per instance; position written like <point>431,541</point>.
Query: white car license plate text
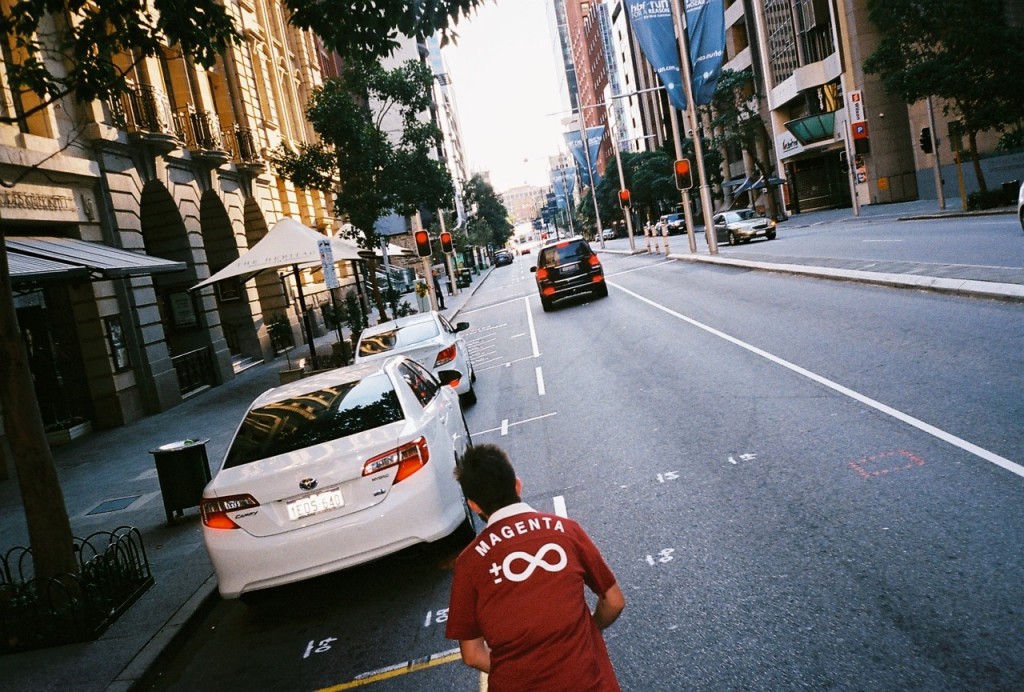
<point>315,503</point>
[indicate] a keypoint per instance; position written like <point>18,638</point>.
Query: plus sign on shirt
<point>519,585</point>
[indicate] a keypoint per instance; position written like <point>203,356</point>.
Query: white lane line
<point>533,332</point>
<point>560,506</point>
<point>528,420</point>
<point>504,426</point>
<point>938,433</point>
<point>540,381</point>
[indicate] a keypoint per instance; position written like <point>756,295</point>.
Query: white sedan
<point>333,471</point>
<point>430,340</point>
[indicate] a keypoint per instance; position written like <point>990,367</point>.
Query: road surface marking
<point>528,420</point>
<point>404,668</point>
<point>533,332</point>
<point>504,426</point>
<point>938,433</point>
<point>560,506</point>
<point>540,381</point>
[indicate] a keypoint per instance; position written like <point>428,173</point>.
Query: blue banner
<point>705,26</point>
<point>594,137</point>
<point>652,24</point>
<point>563,182</point>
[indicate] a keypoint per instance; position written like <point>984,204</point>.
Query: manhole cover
<point>113,505</point>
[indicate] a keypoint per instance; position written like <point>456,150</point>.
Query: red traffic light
<point>684,176</point>
<point>446,242</point>
<point>423,244</point>
<point>624,200</point>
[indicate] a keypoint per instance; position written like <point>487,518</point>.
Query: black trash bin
<point>1010,189</point>
<point>464,278</point>
<point>183,470</point>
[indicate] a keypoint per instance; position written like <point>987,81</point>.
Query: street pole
<point>448,260</point>
<point>590,175</point>
<point>679,19</point>
<point>627,211</point>
<point>851,164</point>
<point>936,163</point>
<point>687,212</point>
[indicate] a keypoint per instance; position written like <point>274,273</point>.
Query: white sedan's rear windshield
<point>397,338</point>
<point>315,417</point>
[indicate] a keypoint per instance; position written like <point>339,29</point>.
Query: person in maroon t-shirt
<point>517,605</point>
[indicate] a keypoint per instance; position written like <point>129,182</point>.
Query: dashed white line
<point>540,381</point>
<point>560,506</point>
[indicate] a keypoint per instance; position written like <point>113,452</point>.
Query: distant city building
<point>524,202</point>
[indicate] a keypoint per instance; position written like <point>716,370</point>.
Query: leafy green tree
<point>962,51</point>
<point>381,172</point>
<point>736,120</point>
<point>496,229</point>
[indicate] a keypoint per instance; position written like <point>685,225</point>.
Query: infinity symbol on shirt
<point>535,561</point>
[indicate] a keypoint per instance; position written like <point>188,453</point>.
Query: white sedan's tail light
<point>215,510</point>
<point>446,355</point>
<point>409,458</point>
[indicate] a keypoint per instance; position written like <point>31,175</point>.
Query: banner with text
<point>652,23</point>
<point>705,25</point>
<point>594,136</point>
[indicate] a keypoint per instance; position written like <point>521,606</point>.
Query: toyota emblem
<point>307,483</point>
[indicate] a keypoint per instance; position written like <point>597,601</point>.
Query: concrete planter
<point>58,438</point>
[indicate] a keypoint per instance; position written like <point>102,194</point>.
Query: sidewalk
<point>117,465</point>
<point>1004,283</point>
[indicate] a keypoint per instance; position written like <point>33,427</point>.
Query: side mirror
<point>533,269</point>
<point>461,326</point>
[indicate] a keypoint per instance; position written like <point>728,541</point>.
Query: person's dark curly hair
<point>487,478</point>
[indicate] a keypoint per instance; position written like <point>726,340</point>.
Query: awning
<point>772,182</point>
<point>40,258</point>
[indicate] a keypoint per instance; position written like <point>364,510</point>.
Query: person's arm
<point>476,654</point>
<point>609,606</point>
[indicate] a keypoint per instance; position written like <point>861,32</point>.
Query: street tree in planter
<point>373,142</point>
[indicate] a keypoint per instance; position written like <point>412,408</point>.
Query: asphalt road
<point>799,484</point>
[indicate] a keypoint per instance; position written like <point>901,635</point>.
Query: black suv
<point>567,268</point>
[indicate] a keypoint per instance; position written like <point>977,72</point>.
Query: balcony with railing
<point>245,153</point>
<point>200,132</point>
<point>144,112</point>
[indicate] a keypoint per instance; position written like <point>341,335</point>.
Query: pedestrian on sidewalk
<point>518,607</point>
<point>438,292</point>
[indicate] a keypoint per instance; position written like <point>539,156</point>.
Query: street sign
<point>327,263</point>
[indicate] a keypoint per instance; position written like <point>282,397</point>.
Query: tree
<point>958,50</point>
<point>489,224</point>
<point>372,140</point>
<point>65,49</point>
<point>736,120</point>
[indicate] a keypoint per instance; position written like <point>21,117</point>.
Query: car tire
<point>770,235</point>
<point>733,240</point>
<point>469,398</point>
<point>601,291</point>
<point>546,304</point>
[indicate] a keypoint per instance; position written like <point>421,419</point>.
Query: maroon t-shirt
<point>519,585</point>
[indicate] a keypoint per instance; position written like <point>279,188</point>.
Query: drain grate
<point>113,505</point>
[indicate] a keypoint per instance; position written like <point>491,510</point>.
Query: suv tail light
<point>215,510</point>
<point>446,355</point>
<point>409,458</point>
<point>594,261</point>
<point>542,274</point>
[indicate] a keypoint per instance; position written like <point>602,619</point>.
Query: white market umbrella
<point>288,244</point>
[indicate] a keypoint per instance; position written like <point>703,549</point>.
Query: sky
<point>504,76</point>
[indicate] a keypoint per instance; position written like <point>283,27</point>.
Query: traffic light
<point>423,244</point>
<point>446,242</point>
<point>624,201</point>
<point>926,140</point>
<point>684,176</point>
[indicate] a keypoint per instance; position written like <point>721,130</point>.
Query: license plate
<point>315,503</point>
<point>569,268</point>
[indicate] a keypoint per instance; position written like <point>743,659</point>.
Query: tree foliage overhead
<point>57,57</point>
<point>962,51</point>
<point>371,28</point>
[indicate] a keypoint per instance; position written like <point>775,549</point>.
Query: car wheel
<point>601,291</point>
<point>733,240</point>
<point>546,304</point>
<point>469,398</point>
<point>770,235</point>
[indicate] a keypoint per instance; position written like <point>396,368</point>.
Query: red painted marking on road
<point>871,467</point>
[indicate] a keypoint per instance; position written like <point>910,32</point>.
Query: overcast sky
<point>504,77</point>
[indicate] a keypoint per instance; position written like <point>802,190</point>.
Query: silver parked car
<point>742,225</point>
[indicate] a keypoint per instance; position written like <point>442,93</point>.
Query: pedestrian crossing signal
<point>423,244</point>
<point>624,200</point>
<point>446,242</point>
